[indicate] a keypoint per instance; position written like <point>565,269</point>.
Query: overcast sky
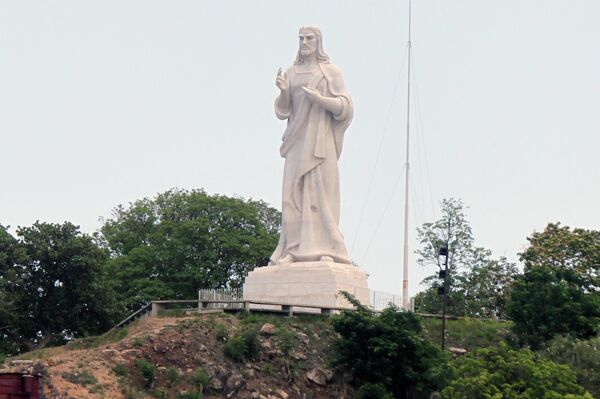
<point>106,102</point>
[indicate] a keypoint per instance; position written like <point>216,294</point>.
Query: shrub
<point>505,373</point>
<point>82,378</point>
<point>120,369</point>
<point>172,376</point>
<point>583,356</point>
<point>222,333</point>
<point>148,371</point>
<point>287,341</point>
<point>372,391</point>
<point>243,346</point>
<point>200,379</point>
<point>387,349</point>
<point>190,395</point>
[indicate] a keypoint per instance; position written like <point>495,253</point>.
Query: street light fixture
<point>443,290</point>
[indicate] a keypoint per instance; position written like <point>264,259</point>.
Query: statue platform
<point>308,283</point>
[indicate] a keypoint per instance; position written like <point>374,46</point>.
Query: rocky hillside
<point>205,356</point>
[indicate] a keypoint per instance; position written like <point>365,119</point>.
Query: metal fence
<point>379,300</point>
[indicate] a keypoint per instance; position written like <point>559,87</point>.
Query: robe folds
<point>312,144</point>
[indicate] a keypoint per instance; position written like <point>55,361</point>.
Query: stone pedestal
<point>307,283</point>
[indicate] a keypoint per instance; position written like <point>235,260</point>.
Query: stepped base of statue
<point>307,283</point>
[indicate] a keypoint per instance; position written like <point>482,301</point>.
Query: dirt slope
<point>183,357</point>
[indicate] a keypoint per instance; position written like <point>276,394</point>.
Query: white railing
<point>379,299</point>
<point>219,294</point>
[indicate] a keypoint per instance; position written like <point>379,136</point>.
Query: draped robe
<point>312,145</point>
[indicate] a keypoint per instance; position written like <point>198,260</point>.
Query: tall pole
<point>407,167</point>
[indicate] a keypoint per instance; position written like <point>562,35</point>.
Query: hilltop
<point>185,357</point>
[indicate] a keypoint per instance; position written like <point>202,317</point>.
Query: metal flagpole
<point>407,167</point>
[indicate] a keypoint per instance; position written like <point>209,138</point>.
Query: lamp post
<point>443,274</point>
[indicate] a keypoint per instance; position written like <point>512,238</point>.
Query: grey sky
<point>105,102</point>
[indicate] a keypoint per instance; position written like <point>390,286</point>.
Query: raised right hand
<point>282,81</point>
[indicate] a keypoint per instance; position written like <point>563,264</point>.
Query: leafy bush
<point>372,391</point>
<point>583,356</point>
<point>387,349</point>
<point>222,332</point>
<point>505,373</point>
<point>243,346</point>
<point>235,349</point>
<point>120,369</point>
<point>148,371</point>
<point>190,395</point>
<point>200,379</point>
<point>172,376</point>
<point>546,302</point>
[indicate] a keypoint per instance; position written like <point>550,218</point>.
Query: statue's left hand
<point>312,94</point>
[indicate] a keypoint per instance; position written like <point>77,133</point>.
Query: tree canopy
<point>501,372</point>
<point>388,349</point>
<point>54,279</point>
<point>478,284</point>
<point>558,291</point>
<point>170,246</point>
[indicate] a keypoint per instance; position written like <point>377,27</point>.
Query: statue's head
<point>310,42</point>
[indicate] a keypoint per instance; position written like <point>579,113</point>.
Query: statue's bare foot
<point>286,259</point>
<point>326,258</point>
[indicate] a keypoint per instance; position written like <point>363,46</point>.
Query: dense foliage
<point>57,283</point>
<point>180,241</point>
<point>388,349</point>
<point>53,275</point>
<point>478,285</point>
<point>499,373</point>
<point>583,356</point>
<point>558,291</point>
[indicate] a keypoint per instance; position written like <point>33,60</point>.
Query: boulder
<point>319,376</point>
<point>267,329</point>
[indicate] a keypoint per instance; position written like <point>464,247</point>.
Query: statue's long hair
<point>322,56</point>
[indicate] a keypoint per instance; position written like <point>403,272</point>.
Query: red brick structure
<point>19,386</point>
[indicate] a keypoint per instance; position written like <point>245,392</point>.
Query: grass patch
<point>82,378</point>
<point>200,379</point>
<point>148,371</point>
<point>172,376</point>
<point>221,332</point>
<point>468,333</point>
<point>41,353</point>
<point>112,336</point>
<point>120,369</point>
<point>244,346</point>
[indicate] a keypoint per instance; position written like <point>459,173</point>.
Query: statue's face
<point>307,42</point>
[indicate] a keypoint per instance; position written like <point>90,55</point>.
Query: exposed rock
<point>234,383</point>
<point>131,352</point>
<point>267,329</point>
<point>457,351</point>
<point>266,345</point>
<point>319,376</point>
<point>299,356</point>
<point>215,384</point>
<point>303,337</point>
<point>110,352</point>
<point>21,362</point>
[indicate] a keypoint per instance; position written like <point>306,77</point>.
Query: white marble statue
<point>318,109</point>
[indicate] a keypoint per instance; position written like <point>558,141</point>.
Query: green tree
<point>58,286</point>
<point>10,255</point>
<point>388,349</point>
<point>583,356</point>
<point>558,291</point>
<point>500,372</point>
<point>169,246</point>
<point>478,284</point>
